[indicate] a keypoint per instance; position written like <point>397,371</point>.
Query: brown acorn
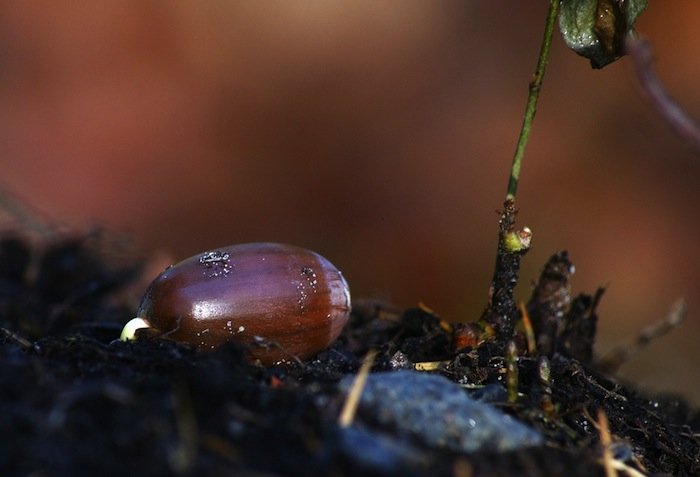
<point>281,301</point>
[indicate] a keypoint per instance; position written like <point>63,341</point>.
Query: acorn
<point>283,302</point>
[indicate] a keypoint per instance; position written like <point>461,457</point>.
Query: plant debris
<point>77,401</point>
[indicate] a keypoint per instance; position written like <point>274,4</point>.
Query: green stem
<point>532,97</point>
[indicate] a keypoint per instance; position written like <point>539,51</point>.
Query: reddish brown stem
<point>640,51</point>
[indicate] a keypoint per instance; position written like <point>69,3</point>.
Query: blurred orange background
<point>377,133</point>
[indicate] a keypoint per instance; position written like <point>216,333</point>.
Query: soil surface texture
<point>441,398</point>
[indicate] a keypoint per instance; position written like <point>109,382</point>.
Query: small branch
<point>532,97</point>
<point>619,355</point>
<point>640,51</point>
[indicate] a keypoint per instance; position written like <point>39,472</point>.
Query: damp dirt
<point>77,401</point>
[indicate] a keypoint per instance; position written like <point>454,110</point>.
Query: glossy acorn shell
<point>279,300</point>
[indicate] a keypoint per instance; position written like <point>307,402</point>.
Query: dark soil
<point>76,401</point>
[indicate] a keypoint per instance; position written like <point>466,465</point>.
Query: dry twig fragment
<point>350,407</point>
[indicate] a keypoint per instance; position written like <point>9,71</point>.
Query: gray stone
<point>437,412</point>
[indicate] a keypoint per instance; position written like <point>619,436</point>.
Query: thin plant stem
<point>532,97</point>
<point>679,120</point>
<point>501,311</point>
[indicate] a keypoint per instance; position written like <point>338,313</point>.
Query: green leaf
<point>597,29</point>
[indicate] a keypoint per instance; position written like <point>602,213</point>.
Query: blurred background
<point>377,133</point>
